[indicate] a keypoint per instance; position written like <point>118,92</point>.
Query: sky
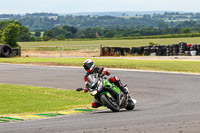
<point>77,6</point>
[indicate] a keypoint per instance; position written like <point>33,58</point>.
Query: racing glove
<point>85,90</point>
<point>105,72</point>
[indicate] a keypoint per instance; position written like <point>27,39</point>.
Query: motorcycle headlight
<point>93,93</point>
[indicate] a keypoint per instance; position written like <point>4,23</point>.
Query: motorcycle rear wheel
<point>108,103</point>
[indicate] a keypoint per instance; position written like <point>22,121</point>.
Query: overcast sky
<point>75,6</point>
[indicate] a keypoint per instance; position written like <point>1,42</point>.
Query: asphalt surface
<point>167,103</point>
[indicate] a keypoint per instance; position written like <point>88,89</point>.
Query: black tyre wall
<point>5,51</point>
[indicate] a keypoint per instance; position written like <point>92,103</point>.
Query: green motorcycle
<point>108,94</point>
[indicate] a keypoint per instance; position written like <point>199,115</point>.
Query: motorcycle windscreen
<point>92,80</point>
<point>100,85</point>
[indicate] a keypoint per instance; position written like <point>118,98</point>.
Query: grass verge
<point>17,99</point>
<point>94,44</point>
<point>160,65</point>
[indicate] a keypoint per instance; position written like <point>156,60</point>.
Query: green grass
<point>161,65</point>
<point>116,43</point>
<point>15,99</point>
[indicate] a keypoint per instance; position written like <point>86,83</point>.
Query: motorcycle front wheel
<point>109,103</point>
<point>131,105</point>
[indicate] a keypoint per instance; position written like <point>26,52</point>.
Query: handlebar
<point>79,89</point>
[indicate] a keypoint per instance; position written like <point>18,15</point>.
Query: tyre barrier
<point>137,50</point>
<point>115,51</point>
<point>181,48</point>
<point>147,50</point>
<point>198,49</point>
<point>5,51</point>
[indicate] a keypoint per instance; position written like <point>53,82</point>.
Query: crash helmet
<point>88,65</point>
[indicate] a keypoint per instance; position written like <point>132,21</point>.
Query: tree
<point>186,30</point>
<point>69,35</point>
<point>163,25</point>
<point>24,31</point>
<point>109,34</point>
<point>46,38</point>
<point>1,37</point>
<point>60,37</point>
<point>49,33</point>
<point>11,34</point>
<point>25,35</point>
<point>72,29</point>
<point>89,33</point>
<point>58,31</point>
<point>37,33</point>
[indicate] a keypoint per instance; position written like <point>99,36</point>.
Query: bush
<point>60,37</point>
<point>11,34</point>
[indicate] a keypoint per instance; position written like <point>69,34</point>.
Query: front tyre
<point>131,105</point>
<point>109,103</point>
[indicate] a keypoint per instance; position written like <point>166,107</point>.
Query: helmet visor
<point>86,67</point>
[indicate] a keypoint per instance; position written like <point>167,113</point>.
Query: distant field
<point>117,43</point>
<point>90,47</point>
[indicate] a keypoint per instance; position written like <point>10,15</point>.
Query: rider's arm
<point>104,71</point>
<point>86,89</point>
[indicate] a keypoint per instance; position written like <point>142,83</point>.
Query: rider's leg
<point>95,103</point>
<point>118,83</point>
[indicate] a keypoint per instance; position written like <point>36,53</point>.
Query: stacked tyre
<point>167,51</point>
<point>193,50</point>
<point>116,51</point>
<point>193,47</point>
<point>182,48</point>
<point>153,50</point>
<point>137,50</point>
<point>5,51</point>
<point>198,49</point>
<point>175,49</point>
<point>171,49</point>
<point>147,50</point>
<point>159,50</point>
<point>164,50</point>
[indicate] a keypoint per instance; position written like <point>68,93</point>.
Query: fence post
<point>60,52</point>
<point>19,51</point>
<point>101,51</point>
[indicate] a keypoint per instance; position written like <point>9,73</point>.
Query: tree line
<point>67,32</point>
<point>13,31</point>
<point>47,21</point>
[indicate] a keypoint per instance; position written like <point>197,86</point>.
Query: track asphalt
<point>167,102</point>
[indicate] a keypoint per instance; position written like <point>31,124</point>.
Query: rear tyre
<point>109,104</point>
<point>130,105</point>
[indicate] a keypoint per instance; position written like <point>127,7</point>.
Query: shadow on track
<point>121,111</point>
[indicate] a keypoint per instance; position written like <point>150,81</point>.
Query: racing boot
<point>118,83</point>
<point>123,88</point>
<point>129,98</point>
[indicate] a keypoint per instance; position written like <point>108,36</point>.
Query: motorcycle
<point>108,94</point>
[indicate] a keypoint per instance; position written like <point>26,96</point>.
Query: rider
<point>90,68</point>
